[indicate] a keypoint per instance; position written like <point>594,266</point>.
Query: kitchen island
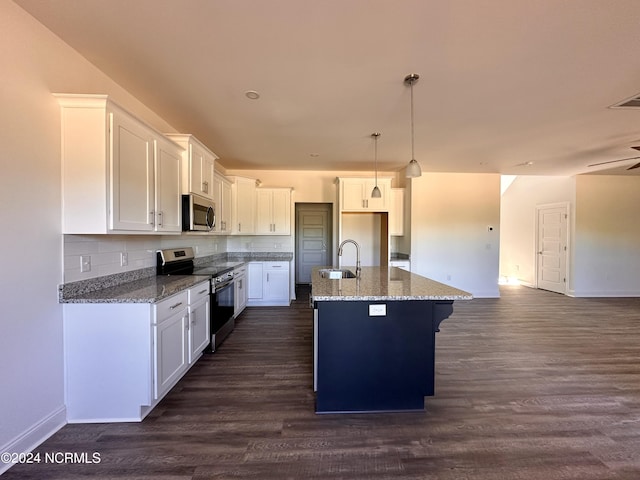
<point>374,338</point>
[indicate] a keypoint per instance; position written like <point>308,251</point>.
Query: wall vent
<point>633,102</point>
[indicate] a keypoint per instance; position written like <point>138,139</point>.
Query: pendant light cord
<point>375,155</point>
<point>413,155</point>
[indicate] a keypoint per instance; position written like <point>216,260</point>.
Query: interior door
<point>313,238</point>
<point>552,244</point>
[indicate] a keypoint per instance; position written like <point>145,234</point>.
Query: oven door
<point>222,309</point>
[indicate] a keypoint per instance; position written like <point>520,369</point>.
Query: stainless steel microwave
<point>198,213</point>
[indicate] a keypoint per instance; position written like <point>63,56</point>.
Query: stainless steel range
<point>179,261</point>
<point>222,301</point>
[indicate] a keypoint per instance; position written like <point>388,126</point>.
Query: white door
<point>551,265</point>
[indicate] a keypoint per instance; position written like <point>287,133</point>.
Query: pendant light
<point>375,193</point>
<point>413,169</point>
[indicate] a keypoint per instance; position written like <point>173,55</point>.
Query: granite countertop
<point>146,290</point>
<point>382,283</point>
<point>143,286</point>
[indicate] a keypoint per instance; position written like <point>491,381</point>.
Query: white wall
<point>604,231</point>
<point>607,236</point>
<point>450,241</point>
<point>364,228</point>
<point>35,64</point>
<point>518,222</point>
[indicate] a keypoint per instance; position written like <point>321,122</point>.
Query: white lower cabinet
<point>171,343</point>
<point>241,290</point>
<point>268,284</point>
<point>122,358</point>
<point>199,326</point>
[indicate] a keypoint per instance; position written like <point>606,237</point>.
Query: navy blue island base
<point>376,363</point>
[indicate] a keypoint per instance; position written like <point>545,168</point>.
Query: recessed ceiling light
<point>252,94</point>
<point>314,155</point>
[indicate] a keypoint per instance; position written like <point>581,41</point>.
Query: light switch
<point>378,310</point>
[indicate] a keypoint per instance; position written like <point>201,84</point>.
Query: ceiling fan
<point>637,165</point>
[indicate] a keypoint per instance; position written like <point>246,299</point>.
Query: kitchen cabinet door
<point>132,174</point>
<point>255,271</point>
<point>241,290</point>
<point>222,199</point>
<point>276,282</point>
<point>198,164</point>
<point>199,328</point>
<point>168,205</point>
<point>243,193</point>
<point>273,211</point>
<point>171,348</point>
<point>355,194</point>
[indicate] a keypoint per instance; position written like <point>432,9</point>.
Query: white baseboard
<point>35,435</point>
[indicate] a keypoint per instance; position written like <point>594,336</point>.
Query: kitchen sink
<point>336,273</point>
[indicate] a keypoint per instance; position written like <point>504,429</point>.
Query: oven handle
<point>221,286</point>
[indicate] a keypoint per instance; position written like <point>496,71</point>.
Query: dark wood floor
<point>532,386</point>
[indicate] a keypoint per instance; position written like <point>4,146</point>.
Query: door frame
<point>567,258</point>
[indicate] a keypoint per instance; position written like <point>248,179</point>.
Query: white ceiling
<point>502,82</point>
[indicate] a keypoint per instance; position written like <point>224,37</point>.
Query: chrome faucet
<point>358,269</point>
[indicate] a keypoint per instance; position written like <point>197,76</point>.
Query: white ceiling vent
<point>633,102</point>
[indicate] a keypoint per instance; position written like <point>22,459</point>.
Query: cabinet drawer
<point>170,306</point>
<point>276,265</point>
<point>199,292</point>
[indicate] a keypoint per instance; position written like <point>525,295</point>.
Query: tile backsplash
<point>105,251</point>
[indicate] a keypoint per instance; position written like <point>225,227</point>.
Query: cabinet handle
<point>175,306</point>
<point>267,276</point>
<point>203,291</point>
<point>276,266</point>
<point>239,227</point>
<point>205,187</point>
<point>152,217</point>
<point>160,219</point>
<point>240,283</point>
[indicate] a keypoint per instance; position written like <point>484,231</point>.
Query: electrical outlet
<point>196,250</point>
<point>85,263</point>
<point>124,259</point>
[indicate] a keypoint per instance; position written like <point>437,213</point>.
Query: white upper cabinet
<point>355,194</point>
<point>243,198</point>
<point>168,206</point>
<point>198,163</point>
<point>222,199</point>
<point>273,211</point>
<point>132,182</point>
<point>118,174</point>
